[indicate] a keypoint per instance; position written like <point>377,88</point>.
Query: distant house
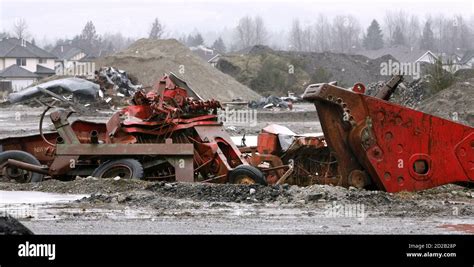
<point>467,61</point>
<point>72,60</point>
<point>401,53</point>
<point>209,55</point>
<point>451,62</point>
<point>22,63</point>
<point>427,57</point>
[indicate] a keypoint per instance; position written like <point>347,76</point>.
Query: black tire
<point>246,172</point>
<point>22,176</point>
<point>125,168</point>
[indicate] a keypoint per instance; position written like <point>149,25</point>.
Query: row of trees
<point>342,33</point>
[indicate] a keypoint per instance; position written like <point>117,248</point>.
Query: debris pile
<point>408,94</point>
<point>66,90</point>
<point>110,87</point>
<point>271,102</point>
<point>412,94</point>
<point>115,81</point>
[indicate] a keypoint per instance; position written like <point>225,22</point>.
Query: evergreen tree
<point>157,30</point>
<point>427,39</point>
<point>398,38</point>
<point>374,38</point>
<point>219,45</point>
<point>195,40</point>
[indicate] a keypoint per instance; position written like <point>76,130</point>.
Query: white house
<point>207,54</point>
<point>23,63</point>
<point>427,57</point>
<point>72,60</point>
<point>467,61</point>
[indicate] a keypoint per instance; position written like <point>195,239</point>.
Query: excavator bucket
<point>385,146</point>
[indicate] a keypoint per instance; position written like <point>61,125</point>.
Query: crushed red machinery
<point>385,146</point>
<point>168,133</point>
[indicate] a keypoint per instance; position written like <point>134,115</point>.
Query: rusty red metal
<point>393,148</point>
<point>171,133</point>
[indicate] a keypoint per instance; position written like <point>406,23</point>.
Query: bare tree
<point>157,29</point>
<point>346,33</point>
<point>396,20</point>
<point>322,33</point>
<point>413,31</point>
<point>296,36</point>
<point>308,39</point>
<point>20,28</point>
<point>118,41</point>
<point>246,32</point>
<point>261,33</point>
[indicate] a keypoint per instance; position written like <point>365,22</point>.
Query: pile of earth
<point>455,103</point>
<point>276,72</point>
<point>148,60</point>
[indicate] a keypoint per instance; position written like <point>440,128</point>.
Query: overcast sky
<point>59,18</point>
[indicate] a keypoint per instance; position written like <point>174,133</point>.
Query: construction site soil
<point>454,103</point>
<point>134,206</point>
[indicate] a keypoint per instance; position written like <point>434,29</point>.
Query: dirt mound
<point>458,98</point>
<point>276,72</point>
<point>148,60</point>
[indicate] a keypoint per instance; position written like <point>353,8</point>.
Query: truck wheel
<point>124,168</point>
<point>19,175</point>
<point>246,174</point>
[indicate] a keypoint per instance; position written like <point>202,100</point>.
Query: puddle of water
<point>31,197</point>
<point>466,228</point>
<point>250,140</point>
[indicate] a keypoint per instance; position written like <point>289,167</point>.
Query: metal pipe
<point>27,166</point>
<point>94,137</point>
<point>389,88</point>
<point>59,140</point>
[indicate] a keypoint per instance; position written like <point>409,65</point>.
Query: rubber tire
<point>133,164</point>
<point>248,170</point>
<point>24,157</point>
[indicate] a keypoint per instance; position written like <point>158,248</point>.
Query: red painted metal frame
<point>397,147</point>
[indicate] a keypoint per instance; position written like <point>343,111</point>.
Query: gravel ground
<point>140,207</point>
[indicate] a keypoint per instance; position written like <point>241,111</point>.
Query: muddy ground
<point>89,205</point>
<point>141,207</point>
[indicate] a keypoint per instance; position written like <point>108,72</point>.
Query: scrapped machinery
<point>169,133</point>
<point>384,146</point>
